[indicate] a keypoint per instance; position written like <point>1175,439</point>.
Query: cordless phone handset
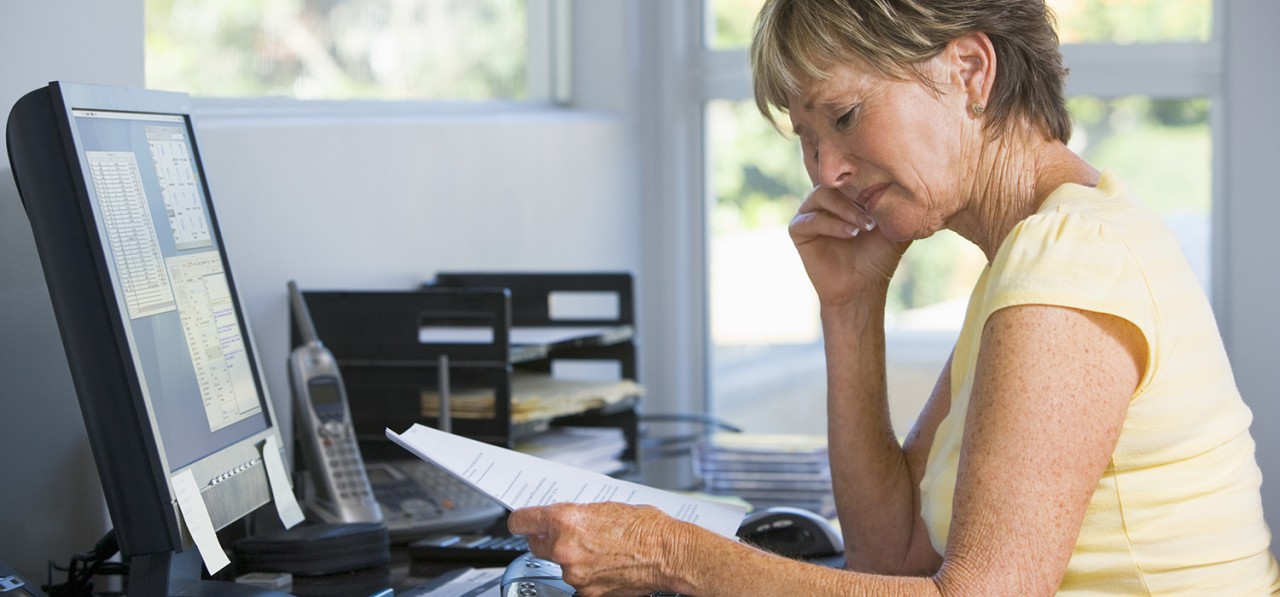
<point>323,421</point>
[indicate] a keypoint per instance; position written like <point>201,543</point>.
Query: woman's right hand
<point>843,253</point>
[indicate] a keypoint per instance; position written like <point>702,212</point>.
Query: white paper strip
<point>198,522</point>
<point>281,492</point>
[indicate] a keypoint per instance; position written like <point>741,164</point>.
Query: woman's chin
<point>894,232</point>
<point>900,231</point>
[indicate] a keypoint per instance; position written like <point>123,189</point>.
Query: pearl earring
<point>978,109</point>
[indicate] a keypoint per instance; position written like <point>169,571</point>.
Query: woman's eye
<point>846,119</point>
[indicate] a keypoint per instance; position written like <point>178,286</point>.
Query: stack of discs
<point>768,470</point>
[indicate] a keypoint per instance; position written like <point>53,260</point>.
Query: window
<point>766,344</point>
<point>1144,73</point>
<point>1133,21</point>
<point>350,49</point>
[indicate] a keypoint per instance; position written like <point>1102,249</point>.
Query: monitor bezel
<point>131,459</point>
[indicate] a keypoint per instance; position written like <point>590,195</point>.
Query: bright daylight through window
<point>339,49</point>
<point>767,371</point>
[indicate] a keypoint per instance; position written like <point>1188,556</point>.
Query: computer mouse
<point>791,532</point>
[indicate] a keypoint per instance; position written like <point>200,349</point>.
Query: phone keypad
<point>419,498</point>
<point>343,458</point>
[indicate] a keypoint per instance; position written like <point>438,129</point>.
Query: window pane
<point>767,368</point>
<point>339,49</point>
<point>1163,151</point>
<point>730,21</point>
<point>1133,21</point>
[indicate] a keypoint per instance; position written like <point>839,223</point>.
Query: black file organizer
<point>386,367</point>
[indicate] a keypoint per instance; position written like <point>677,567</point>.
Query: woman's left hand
<point>606,548</point>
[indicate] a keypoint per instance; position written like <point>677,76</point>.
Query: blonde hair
<point>795,40</point>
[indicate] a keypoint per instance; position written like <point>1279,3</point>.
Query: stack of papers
<point>533,397</point>
<point>768,470</point>
<point>596,449</point>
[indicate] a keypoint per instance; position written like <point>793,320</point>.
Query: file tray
<point>390,346</point>
<point>562,312</point>
<point>593,313</point>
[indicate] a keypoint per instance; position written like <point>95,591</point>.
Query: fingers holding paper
<point>606,548</point>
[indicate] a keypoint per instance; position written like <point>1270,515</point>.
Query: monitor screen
<point>157,341</point>
<point>185,334</point>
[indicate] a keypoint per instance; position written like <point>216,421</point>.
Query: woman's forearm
<point>709,565</point>
<point>873,484</point>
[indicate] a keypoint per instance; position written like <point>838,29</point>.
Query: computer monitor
<point>157,341</point>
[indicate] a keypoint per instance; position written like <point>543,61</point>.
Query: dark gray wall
<point>1251,159</point>
<point>51,499</point>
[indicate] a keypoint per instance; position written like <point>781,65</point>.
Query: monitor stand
<point>178,574</point>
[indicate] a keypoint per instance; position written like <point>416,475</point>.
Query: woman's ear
<point>974,58</point>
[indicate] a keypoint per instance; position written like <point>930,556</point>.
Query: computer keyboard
<point>420,499</point>
<point>476,550</point>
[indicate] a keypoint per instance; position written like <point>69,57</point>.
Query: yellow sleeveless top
<point>1178,509</point>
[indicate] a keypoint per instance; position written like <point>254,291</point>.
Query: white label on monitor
<point>209,322</point>
<point>196,515</point>
<point>281,493</point>
<point>179,187</point>
<point>130,232</point>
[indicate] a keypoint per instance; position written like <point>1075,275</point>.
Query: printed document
<point>517,480</point>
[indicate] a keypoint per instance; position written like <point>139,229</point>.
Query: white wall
<point>347,203</point>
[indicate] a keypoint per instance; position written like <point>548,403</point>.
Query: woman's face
<point>893,147</point>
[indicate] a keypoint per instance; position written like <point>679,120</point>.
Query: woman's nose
<point>834,168</point>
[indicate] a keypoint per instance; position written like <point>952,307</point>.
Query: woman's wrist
<point>682,563</point>
<point>869,293</point>
<point>700,562</point>
<point>867,312</point>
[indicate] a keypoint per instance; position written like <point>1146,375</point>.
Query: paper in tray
<point>533,397</point>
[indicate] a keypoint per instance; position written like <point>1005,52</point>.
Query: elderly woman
<point>1086,435</point>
